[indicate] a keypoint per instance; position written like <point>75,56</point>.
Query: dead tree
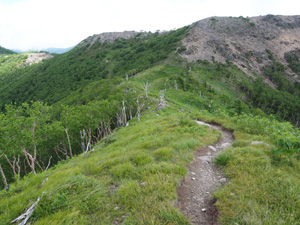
<point>123,113</point>
<point>64,151</point>
<point>30,159</point>
<point>82,136</point>
<point>14,165</point>
<point>122,118</point>
<point>3,177</point>
<point>69,143</point>
<point>88,145</point>
<point>146,87</point>
<point>119,120</point>
<point>48,163</point>
<point>25,216</point>
<point>161,101</point>
<point>175,85</point>
<point>139,108</point>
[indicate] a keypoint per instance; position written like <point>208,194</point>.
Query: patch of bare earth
<point>37,57</point>
<point>195,194</point>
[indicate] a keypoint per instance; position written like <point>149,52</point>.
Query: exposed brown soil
<point>195,194</point>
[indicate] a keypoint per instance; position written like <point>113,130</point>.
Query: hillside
<point>246,42</point>
<point>107,133</point>
<point>56,78</point>
<point>5,51</point>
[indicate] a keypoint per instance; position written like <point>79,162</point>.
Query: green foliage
<point>60,201</point>
<point>287,146</point>
<point>118,179</point>
<point>5,51</point>
<point>293,61</point>
<point>58,77</point>
<point>224,158</point>
<point>213,21</point>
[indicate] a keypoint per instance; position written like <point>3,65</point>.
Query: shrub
<point>224,158</point>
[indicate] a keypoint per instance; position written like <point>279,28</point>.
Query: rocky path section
<point>37,57</point>
<point>196,190</point>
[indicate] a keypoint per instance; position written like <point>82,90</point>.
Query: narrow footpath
<point>195,194</point>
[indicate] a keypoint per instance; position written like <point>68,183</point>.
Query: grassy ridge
<point>130,178</point>
<point>263,187</point>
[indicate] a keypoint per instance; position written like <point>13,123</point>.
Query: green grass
<point>261,190</point>
<point>132,179</point>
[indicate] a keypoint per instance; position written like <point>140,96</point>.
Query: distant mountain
<point>58,50</point>
<point>5,51</point>
<point>50,50</point>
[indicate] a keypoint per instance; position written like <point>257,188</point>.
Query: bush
<point>224,158</point>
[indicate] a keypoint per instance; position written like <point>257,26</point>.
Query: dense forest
<point>5,51</point>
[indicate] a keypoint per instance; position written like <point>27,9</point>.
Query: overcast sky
<point>37,24</point>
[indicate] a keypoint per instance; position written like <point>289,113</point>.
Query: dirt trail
<point>197,188</point>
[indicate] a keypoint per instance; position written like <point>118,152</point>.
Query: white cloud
<point>62,23</point>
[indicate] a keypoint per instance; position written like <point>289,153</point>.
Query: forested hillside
<point>54,79</point>
<point>103,134</point>
<point>5,51</point>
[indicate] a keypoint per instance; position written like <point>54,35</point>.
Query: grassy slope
<point>135,174</point>
<point>104,186</point>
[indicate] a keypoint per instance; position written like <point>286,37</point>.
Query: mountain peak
<point>107,37</point>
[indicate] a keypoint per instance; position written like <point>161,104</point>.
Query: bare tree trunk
<point>124,119</point>
<point>139,108</point>
<point>70,147</point>
<point>18,167</point>
<point>12,165</point>
<point>34,147</point>
<point>130,113</point>
<point>146,86</point>
<point>31,163</point>
<point>3,177</point>
<point>82,136</point>
<point>25,216</point>
<point>28,155</point>
<point>89,141</point>
<point>48,163</point>
<point>55,150</point>
<point>161,101</point>
<point>25,171</point>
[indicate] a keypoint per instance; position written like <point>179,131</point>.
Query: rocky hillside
<point>250,43</point>
<point>37,57</point>
<point>108,37</point>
